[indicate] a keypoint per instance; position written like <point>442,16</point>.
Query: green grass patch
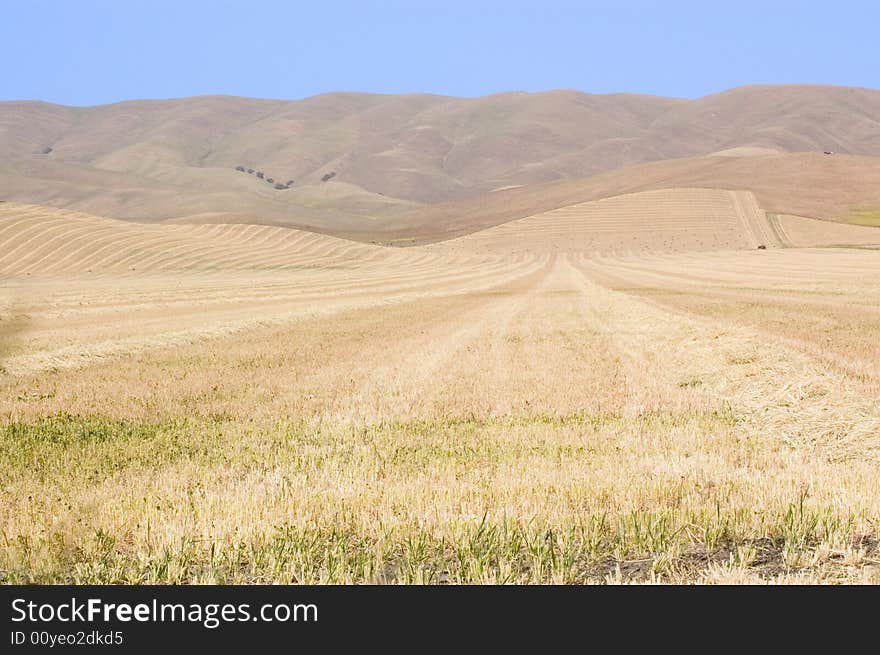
<point>71,446</point>
<point>870,217</point>
<point>590,548</point>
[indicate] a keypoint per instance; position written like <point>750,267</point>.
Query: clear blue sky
<point>85,52</point>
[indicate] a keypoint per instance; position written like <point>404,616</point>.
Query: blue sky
<point>86,52</point>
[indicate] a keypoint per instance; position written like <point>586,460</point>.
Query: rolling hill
<point>42,240</point>
<point>837,188</point>
<point>432,166</point>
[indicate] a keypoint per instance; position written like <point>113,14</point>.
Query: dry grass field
<point>640,395</point>
<point>666,220</point>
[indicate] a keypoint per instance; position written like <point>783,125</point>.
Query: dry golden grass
<point>810,232</point>
<point>840,187</point>
<point>449,416</point>
<point>666,220</point>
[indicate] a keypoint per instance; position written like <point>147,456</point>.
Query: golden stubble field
<point>251,404</point>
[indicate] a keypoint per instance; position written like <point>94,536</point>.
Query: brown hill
<point>835,187</point>
<point>174,159</point>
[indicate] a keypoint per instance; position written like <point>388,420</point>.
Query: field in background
<point>665,220</point>
<point>249,404</point>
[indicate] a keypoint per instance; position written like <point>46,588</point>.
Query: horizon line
<point>441,95</point>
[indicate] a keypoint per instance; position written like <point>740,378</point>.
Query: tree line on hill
<point>269,180</point>
<point>279,185</point>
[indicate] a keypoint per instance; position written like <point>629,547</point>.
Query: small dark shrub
<point>329,176</point>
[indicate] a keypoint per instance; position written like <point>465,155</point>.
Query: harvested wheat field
<point>666,220</point>
<point>625,390</point>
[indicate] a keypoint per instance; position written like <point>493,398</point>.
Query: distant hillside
<point>837,187</point>
<point>360,163</point>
